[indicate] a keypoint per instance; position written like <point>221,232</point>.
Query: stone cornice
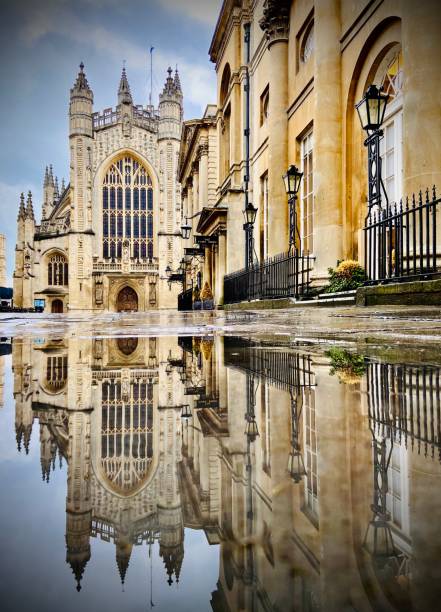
<point>275,20</point>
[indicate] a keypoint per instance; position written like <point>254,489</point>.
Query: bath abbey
<point>106,238</point>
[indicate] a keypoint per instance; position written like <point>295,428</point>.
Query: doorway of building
<point>127,300</point>
<point>57,306</point>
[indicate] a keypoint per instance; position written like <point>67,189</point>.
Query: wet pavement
<point>283,460</point>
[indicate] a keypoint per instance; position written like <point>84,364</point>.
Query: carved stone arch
<point>117,285</point>
<point>56,267</point>
<point>98,179</point>
<point>225,85</point>
<point>383,37</point>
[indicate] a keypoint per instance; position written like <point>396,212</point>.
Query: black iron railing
<point>284,275</point>
<point>404,404</point>
<point>401,240</point>
<point>185,300</point>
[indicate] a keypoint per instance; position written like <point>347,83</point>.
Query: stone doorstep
<point>414,293</point>
<point>342,298</point>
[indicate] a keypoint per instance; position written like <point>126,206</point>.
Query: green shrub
<point>346,276</point>
<point>349,367</point>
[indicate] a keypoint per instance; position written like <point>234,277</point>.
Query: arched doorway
<point>57,306</point>
<point>127,300</point>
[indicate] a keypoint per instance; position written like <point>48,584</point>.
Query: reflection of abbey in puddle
<point>322,490</point>
<point>103,406</point>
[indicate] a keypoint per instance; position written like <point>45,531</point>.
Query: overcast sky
<point>42,43</point>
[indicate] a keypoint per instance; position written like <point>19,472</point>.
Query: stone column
<point>195,187</point>
<point>203,176</point>
<point>327,154</point>
<point>190,197</point>
<point>221,269</point>
<point>421,27</point>
<point>334,503</point>
<point>275,23</point>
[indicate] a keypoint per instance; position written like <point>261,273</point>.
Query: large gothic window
<point>57,270</point>
<point>127,433</point>
<point>127,210</point>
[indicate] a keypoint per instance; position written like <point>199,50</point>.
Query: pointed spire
<point>29,206</point>
<point>21,208</point>
<point>51,176</point>
<point>124,95</point>
<point>56,190</point>
<point>78,566</point>
<point>177,81</point>
<point>169,87</point>
<point>63,186</point>
<point>81,86</point>
<point>123,553</point>
<point>46,177</point>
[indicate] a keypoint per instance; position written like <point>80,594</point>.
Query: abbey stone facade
<point>106,239</point>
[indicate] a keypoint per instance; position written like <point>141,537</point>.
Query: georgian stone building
<point>105,239</point>
<point>309,64</point>
<point>198,176</point>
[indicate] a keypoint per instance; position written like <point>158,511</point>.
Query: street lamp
<point>296,466</point>
<point>292,179</point>
<point>371,110</point>
<point>249,214</point>
<point>186,229</point>
<point>185,411</point>
<point>251,429</point>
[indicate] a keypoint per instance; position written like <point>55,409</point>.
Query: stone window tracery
<point>56,372</point>
<point>126,432</point>
<point>127,210</point>
<point>57,270</point>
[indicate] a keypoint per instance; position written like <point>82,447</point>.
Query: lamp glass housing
<point>371,108</point>
<point>251,429</point>
<point>296,466</point>
<point>186,230</point>
<point>292,179</point>
<point>185,411</point>
<point>250,213</point>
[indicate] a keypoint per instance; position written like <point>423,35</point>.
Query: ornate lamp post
<point>296,466</point>
<point>186,229</point>
<point>249,214</point>
<point>251,429</point>
<point>185,411</point>
<point>371,111</point>
<point>378,540</point>
<point>292,179</point>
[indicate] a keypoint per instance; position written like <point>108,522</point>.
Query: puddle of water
<point>197,472</point>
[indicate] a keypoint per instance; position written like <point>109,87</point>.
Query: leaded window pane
<point>136,228</point>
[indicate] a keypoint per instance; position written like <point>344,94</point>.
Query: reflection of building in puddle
<point>262,447</point>
<point>104,406</point>
<point>5,349</point>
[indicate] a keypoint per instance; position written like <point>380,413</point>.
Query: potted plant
<point>348,367</point>
<point>348,275</point>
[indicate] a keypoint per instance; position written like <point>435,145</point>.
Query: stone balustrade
<point>150,266</point>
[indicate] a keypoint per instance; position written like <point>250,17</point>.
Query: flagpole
<point>151,75</point>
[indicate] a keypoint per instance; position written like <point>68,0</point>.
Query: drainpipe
<point>247,29</point>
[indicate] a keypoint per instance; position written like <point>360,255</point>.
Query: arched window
<point>127,210</point>
<point>307,46</point>
<point>127,433</point>
<point>225,84</point>
<point>390,75</point>
<point>56,373</point>
<point>57,270</point>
